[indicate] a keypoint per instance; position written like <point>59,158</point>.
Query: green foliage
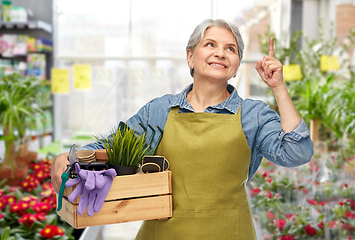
<point>124,147</point>
<point>325,96</point>
<point>283,54</point>
<point>18,102</point>
<point>18,105</point>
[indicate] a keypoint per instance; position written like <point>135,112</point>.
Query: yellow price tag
<point>82,77</point>
<point>60,80</point>
<point>329,63</point>
<point>292,72</point>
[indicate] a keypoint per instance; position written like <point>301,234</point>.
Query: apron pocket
<point>193,225</point>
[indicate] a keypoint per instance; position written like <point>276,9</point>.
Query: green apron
<point>209,159</point>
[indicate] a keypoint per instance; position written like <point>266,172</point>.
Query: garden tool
<point>150,150</point>
<point>73,158</point>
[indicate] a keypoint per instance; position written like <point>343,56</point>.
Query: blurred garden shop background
<point>94,64</point>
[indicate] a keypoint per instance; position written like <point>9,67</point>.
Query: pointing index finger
<point>271,47</point>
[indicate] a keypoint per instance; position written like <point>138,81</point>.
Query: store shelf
<point>27,25</point>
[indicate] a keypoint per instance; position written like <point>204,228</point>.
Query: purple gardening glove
<point>93,187</point>
<point>96,188</point>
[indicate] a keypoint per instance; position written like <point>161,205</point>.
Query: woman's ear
<point>189,57</point>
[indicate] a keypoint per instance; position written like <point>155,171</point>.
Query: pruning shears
<point>73,158</point>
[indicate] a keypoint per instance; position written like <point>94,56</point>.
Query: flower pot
<point>14,176</point>
<point>27,159</point>
<point>123,170</point>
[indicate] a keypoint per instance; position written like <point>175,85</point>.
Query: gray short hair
<point>199,32</point>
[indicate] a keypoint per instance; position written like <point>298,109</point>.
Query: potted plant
<point>125,149</point>
<point>18,106</point>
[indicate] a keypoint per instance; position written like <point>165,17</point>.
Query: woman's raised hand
<point>270,69</point>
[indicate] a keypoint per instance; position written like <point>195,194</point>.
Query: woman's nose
<point>219,52</point>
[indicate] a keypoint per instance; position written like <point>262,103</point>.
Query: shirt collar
<point>231,104</point>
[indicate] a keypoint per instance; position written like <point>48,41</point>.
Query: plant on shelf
<point>125,148</point>
<point>319,96</point>
<point>18,106</point>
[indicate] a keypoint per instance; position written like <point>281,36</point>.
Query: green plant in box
<point>124,147</point>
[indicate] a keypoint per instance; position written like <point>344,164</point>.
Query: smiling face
<point>216,56</point>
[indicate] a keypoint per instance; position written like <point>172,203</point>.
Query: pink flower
<point>270,215</point>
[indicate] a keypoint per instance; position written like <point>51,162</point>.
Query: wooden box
<point>131,198</point>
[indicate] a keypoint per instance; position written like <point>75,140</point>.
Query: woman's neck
<point>203,95</point>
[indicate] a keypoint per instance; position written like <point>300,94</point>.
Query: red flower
<point>9,199</point>
<point>254,191</point>
<point>347,226</point>
<point>42,207</point>
<point>321,203</point>
<point>310,230</point>
<point>280,223</point>
<point>341,203</point>
<point>287,237</point>
<point>346,185</point>
<point>321,225</point>
<point>270,215</point>
<point>39,217</point>
<point>352,205</point>
<point>288,215</point>
<point>269,194</point>
<point>332,225</point>
<point>47,185</point>
<point>312,202</point>
<point>50,231</point>
<point>265,174</point>
<point>51,201</point>
<point>1,216</point>
<point>19,208</point>
<point>349,215</point>
<point>268,180</point>
<point>30,200</point>
<point>27,220</point>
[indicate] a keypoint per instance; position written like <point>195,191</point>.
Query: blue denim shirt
<point>261,126</point>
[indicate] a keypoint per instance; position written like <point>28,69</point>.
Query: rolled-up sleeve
<point>284,149</point>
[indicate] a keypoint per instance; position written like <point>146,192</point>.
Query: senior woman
<point>215,140</point>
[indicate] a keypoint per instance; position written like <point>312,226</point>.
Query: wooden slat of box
<point>131,198</point>
<point>128,210</point>
<point>137,185</point>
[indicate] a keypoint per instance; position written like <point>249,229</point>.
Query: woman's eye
<point>231,49</point>
<point>209,45</point>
